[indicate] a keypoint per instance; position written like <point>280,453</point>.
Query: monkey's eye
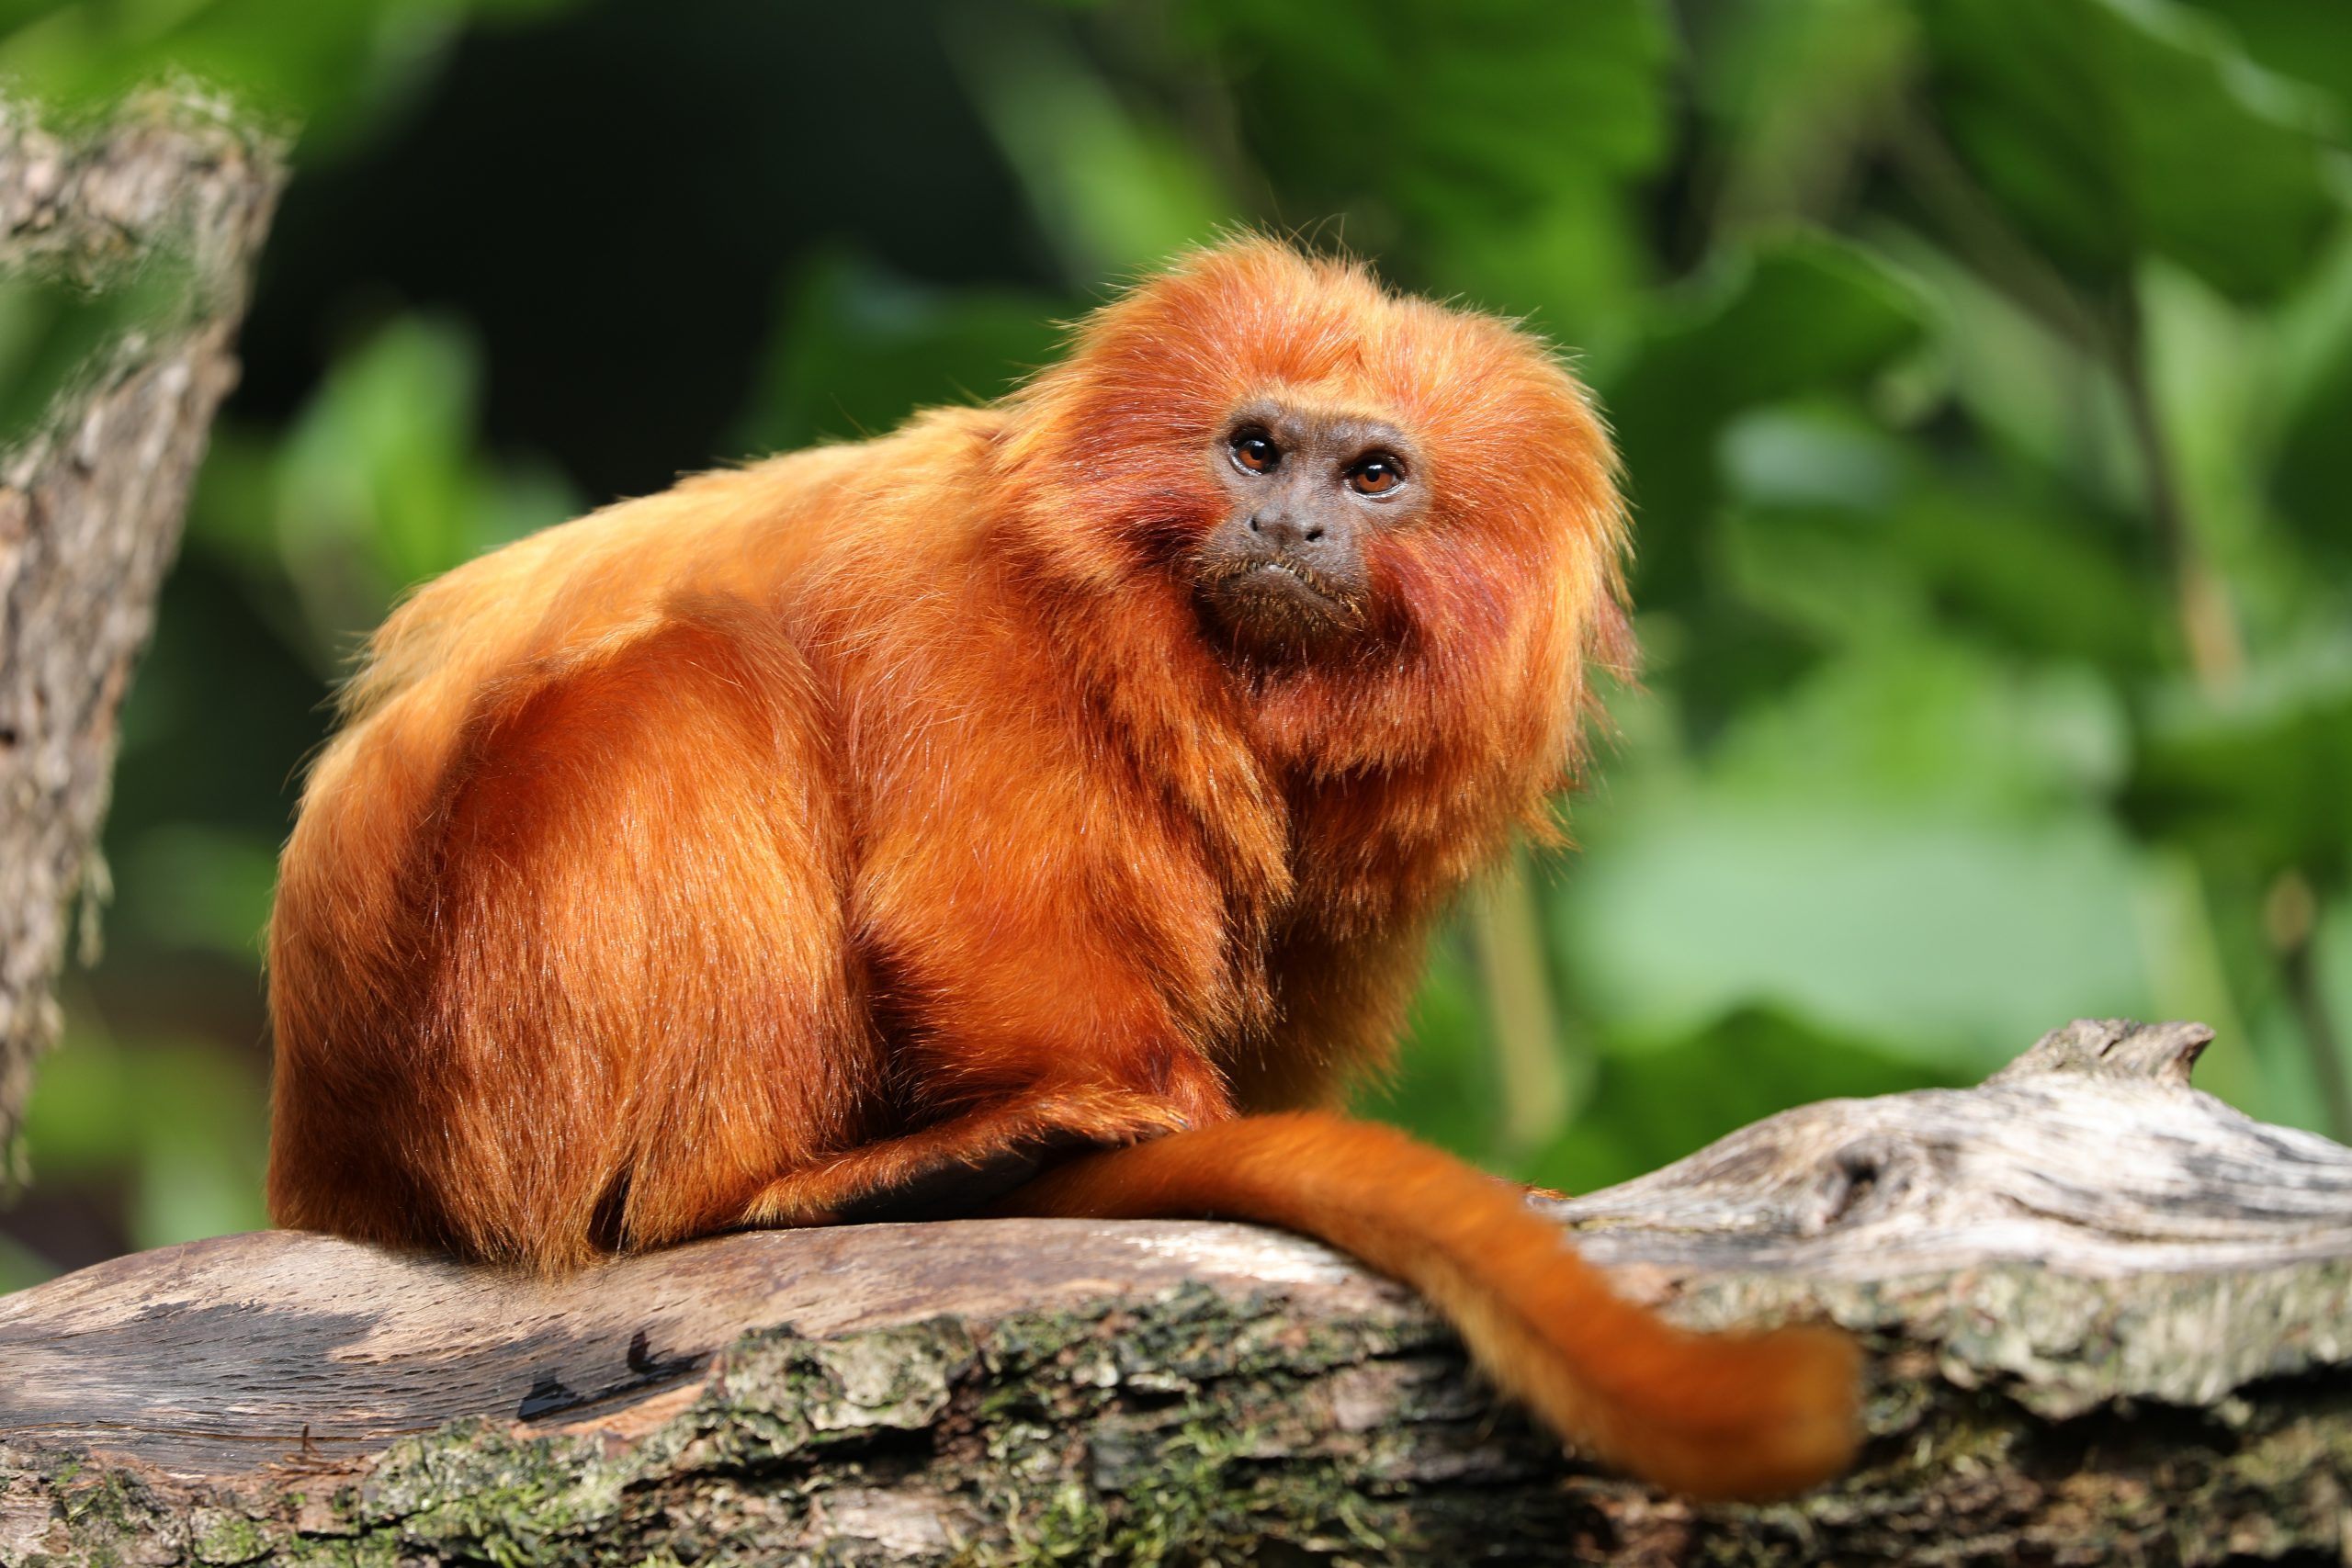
<point>1375,474</point>
<point>1254,453</point>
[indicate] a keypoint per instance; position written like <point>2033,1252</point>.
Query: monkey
<point>1041,809</point>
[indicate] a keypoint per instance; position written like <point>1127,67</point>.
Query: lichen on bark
<point>1205,1428</point>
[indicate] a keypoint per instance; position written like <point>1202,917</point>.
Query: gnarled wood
<point>2110,1319</point>
<point>91,499</point>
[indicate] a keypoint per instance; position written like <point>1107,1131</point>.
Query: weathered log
<point>2110,1319</point>
<point>92,494</point>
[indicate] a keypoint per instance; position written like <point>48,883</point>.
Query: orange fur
<point>861,830</point>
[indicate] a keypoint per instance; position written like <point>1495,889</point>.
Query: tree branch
<point>92,496</point>
<point>2110,1319</point>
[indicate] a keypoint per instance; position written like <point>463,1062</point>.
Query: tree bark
<point>2109,1320</point>
<point>171,196</point>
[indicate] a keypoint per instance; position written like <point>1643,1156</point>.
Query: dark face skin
<point>1283,573</point>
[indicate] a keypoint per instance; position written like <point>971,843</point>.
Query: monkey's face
<point>1396,520</point>
<point>1305,492</point>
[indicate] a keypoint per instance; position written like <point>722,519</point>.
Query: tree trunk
<point>2109,1320</point>
<point>158,213</point>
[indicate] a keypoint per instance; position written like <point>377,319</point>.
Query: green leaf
<point>2311,478</point>
<point>1784,89</point>
<point>1444,112</point>
<point>78,1123</point>
<point>1803,312</point>
<point>2035,575</point>
<point>1910,846</point>
<point>182,1118</point>
<point>1572,267</point>
<point>331,66</point>
<point>1849,532</point>
<point>2262,777</point>
<point>857,348</point>
<point>2312,42</point>
<point>203,1144</point>
<point>2110,130</point>
<point>380,483</point>
<point>1113,184</point>
<point>2029,390</point>
<point>1933,725</point>
<point>191,885</point>
<point>1955,939</point>
<point>1485,148</point>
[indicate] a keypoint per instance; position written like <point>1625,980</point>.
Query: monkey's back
<point>561,906</point>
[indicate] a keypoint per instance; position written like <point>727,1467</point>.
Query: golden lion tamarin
<point>1062,785</point>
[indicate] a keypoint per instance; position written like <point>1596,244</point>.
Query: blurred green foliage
<point>1982,370</point>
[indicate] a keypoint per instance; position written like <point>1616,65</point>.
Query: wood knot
<point>1865,1178</point>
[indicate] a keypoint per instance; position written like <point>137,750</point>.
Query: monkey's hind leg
<point>641,1000</point>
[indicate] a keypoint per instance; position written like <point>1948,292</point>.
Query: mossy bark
<point>126,244</point>
<point>1202,1427</point>
<point>2110,1322</point>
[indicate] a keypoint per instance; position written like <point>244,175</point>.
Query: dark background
<point>1983,368</point>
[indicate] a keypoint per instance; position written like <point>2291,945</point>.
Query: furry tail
<point>1749,1415</point>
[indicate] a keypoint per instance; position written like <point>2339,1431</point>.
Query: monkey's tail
<point>1739,1415</point>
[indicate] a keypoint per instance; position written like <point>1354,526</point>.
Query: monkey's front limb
<point>959,1165</point>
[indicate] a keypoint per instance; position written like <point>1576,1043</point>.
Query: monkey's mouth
<point>1278,604</point>
<point>1286,581</point>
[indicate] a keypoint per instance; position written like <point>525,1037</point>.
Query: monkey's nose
<point>1281,528</point>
